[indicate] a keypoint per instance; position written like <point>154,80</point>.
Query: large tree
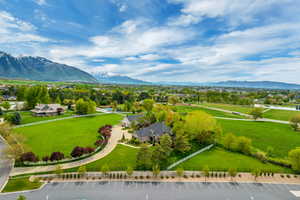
<point>148,104</point>
<point>202,127</point>
<point>143,159</point>
<point>295,122</point>
<point>256,113</point>
<point>294,157</point>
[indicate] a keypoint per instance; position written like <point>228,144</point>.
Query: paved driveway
<point>5,165</point>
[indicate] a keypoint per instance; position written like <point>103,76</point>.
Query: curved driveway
<point>117,134</point>
<point>5,164</point>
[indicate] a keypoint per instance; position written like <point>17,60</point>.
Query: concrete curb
<point>24,191</point>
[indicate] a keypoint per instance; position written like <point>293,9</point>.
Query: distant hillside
<point>117,79</point>
<point>257,84</point>
<point>40,69</point>
<point>240,84</point>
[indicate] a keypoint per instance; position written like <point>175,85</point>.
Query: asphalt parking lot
<point>160,191</point>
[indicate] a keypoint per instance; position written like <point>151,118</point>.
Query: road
<point>6,165</point>
<point>160,191</point>
<point>117,134</point>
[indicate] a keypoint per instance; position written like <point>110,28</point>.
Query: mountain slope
<point>257,84</point>
<point>240,84</point>
<point>117,79</point>
<point>41,69</point>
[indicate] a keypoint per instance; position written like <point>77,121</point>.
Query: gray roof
<point>132,118</point>
<point>156,129</point>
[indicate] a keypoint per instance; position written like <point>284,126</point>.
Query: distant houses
<point>44,110</point>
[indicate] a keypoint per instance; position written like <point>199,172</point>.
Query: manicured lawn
<point>119,159</point>
<point>20,184</point>
<point>64,135</point>
<point>28,118</point>
<point>219,159</point>
<point>186,109</point>
<point>236,108</point>
<point>264,134</point>
<point>285,115</point>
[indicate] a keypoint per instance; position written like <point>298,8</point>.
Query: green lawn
<point>119,159</point>
<point>236,108</point>
<point>264,134</point>
<point>21,184</point>
<point>219,159</point>
<point>186,109</point>
<point>285,115</point>
<point>64,135</point>
<point>28,118</point>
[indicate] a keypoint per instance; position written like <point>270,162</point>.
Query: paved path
<point>242,114</point>
<point>6,164</point>
<point>117,133</point>
<point>59,119</point>
<point>190,156</point>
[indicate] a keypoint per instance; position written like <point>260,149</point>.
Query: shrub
<point>46,158</point>
<point>55,156</point>
<point>29,157</point>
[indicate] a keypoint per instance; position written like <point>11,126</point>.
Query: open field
<point>219,159</point>
<point>236,108</point>
<point>28,118</point>
<point>119,159</point>
<point>284,115</point>
<point>63,136</point>
<point>21,184</point>
<point>186,109</point>
<point>264,134</point>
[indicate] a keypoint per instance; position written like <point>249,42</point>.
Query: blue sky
<point>160,40</point>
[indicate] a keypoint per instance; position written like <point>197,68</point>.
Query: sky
<point>160,40</point>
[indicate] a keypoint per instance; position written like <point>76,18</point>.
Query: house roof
<point>156,129</point>
<point>47,108</point>
<point>132,118</point>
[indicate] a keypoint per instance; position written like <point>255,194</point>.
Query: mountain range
<point>118,79</point>
<point>42,69</point>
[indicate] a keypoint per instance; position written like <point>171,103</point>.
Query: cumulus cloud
<point>13,30</point>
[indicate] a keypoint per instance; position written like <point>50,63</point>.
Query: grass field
<point>28,118</point>
<point>218,159</point>
<point>21,184</point>
<point>119,159</point>
<point>236,108</point>
<point>264,134</point>
<point>284,115</point>
<point>63,136</point>
<point>186,109</point>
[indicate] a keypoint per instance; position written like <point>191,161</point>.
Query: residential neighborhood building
<point>153,132</point>
<point>128,120</point>
<point>48,110</point>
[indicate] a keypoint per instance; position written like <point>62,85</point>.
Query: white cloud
<point>129,42</point>
<point>233,11</point>
<point>41,2</point>
<point>14,30</point>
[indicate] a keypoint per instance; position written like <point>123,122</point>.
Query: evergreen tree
<point>143,159</point>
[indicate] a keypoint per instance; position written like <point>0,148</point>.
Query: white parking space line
<point>296,193</point>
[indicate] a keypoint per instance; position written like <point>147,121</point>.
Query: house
<point>153,132</point>
<point>43,110</point>
<point>128,120</point>
<point>9,98</point>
